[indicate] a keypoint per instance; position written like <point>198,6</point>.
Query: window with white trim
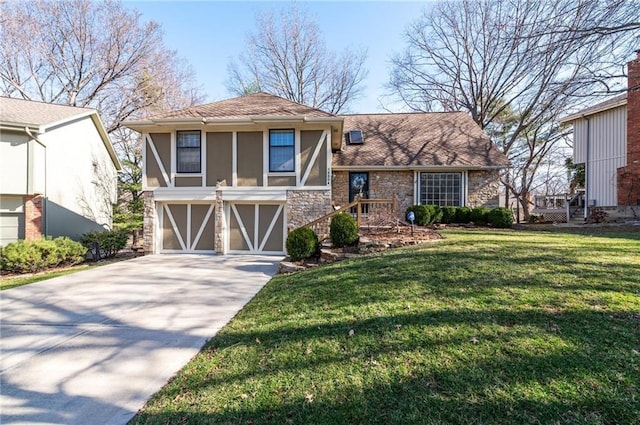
<point>281,151</point>
<point>188,154</point>
<point>442,189</point>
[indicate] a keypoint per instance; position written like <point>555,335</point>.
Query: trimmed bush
<point>422,213</point>
<point>436,214</point>
<point>302,243</point>
<point>448,215</point>
<point>32,256</point>
<point>343,230</point>
<point>479,216</point>
<point>463,215</point>
<point>109,241</point>
<point>500,217</point>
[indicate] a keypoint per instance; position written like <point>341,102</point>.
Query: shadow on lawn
<point>584,382</point>
<point>547,359</point>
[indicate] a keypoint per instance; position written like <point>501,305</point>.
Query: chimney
<point>629,175</point>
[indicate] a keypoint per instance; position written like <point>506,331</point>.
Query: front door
<point>359,188</point>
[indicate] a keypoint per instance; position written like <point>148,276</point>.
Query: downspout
<point>586,169</point>
<point>46,199</point>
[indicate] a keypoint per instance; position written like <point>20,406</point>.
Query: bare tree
<point>287,57</point>
<point>514,66</point>
<point>94,54</point>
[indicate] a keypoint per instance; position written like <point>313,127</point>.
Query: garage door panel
<point>171,231</point>
<point>188,227</point>
<point>267,237</point>
<point>11,227</point>
<point>203,229</point>
<point>237,240</point>
<point>272,238</point>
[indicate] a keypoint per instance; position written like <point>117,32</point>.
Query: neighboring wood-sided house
<point>58,171</point>
<point>606,139</point>
<point>235,176</point>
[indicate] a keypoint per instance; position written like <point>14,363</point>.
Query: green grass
<point>14,282</point>
<point>491,327</point>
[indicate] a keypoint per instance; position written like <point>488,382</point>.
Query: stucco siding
<point>219,158</point>
<point>13,162</point>
<point>250,153</point>
<point>607,152</point>
<point>81,180</point>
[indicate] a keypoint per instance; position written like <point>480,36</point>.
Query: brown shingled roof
<point>37,114</point>
<point>251,105</point>
<point>418,140</point>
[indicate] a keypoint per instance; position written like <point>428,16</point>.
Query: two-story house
<point>58,171</point>
<point>235,176</point>
<point>606,138</point>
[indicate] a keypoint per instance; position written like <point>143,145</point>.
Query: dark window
<point>442,189</point>
<point>188,151</point>
<point>281,151</point>
<point>354,137</point>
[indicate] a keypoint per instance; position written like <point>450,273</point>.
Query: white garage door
<point>11,227</point>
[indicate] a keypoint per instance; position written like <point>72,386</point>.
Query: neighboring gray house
<point>58,171</point>
<point>235,176</point>
<point>607,140</point>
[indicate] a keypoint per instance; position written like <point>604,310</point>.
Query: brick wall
<point>629,175</point>
<point>33,216</point>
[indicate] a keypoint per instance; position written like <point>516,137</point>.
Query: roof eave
<point>585,112</point>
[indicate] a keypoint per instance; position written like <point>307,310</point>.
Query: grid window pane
<point>442,189</point>
<point>281,150</point>
<point>188,151</point>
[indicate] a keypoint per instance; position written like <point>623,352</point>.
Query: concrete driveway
<point>92,347</point>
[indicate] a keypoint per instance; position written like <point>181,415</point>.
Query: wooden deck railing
<point>367,212</point>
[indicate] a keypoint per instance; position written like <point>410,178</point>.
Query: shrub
<point>32,256</point>
<point>463,215</point>
<point>343,230</point>
<point>479,216</point>
<point>500,217</point>
<point>302,243</point>
<point>109,241</point>
<point>436,214</point>
<point>422,213</point>
<point>448,215</point>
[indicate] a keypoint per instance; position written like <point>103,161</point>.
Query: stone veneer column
<point>148,223</point>
<point>32,217</point>
<point>629,175</point>
<point>483,188</point>
<point>221,223</point>
<point>304,206</point>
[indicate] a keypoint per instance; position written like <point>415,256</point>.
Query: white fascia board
<point>198,194</point>
<point>252,194</point>
<point>20,127</point>
<point>579,115</point>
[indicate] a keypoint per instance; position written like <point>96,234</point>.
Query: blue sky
<point>208,33</point>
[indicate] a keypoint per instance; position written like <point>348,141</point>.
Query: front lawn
<point>485,327</point>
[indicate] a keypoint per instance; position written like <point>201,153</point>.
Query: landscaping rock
<point>287,267</point>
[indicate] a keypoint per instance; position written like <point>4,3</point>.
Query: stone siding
<point>304,206</point>
<point>382,185</point>
<point>148,224</point>
<point>221,223</point>
<point>483,189</point>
